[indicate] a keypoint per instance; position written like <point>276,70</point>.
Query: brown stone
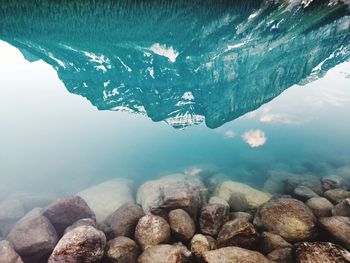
<point>320,206</point>
<point>121,250</point>
<point>337,227</point>
<point>212,217</point>
<point>165,254</point>
<point>202,243</point>
<point>181,224</point>
<point>336,195</point>
<point>270,242</point>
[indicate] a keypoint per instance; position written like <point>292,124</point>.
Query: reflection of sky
<point>49,136</point>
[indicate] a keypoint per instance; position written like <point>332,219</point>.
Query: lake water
<point>140,90</point>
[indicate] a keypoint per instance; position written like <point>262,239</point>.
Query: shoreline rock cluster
<point>184,218</point>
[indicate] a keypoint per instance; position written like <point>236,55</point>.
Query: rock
<point>287,217</point>
<point>215,180</point>
<point>172,192</point>
<point>270,242</point>
<point>310,181</point>
<point>320,206</point>
<point>11,210</point>
<point>336,195</point>
<point>107,197</point>
<point>33,237</point>
<point>342,209</point>
<point>81,222</point>
<point>124,220</point>
<point>320,252</point>
<point>238,233</point>
<point>8,254</point>
<point>334,182</point>
<point>181,224</point>
<point>243,216</point>
<point>66,210</point>
<point>212,217</point>
<point>277,182</point>
<point>281,255</point>
<point>338,227</point>
<point>304,193</point>
<point>121,250</point>
<point>218,200</point>
<point>254,197</point>
<point>234,255</point>
<point>81,244</point>
<point>202,243</point>
<point>152,230</point>
<point>238,202</point>
<point>165,254</point>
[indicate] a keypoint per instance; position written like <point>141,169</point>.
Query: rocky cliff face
<point>180,62</point>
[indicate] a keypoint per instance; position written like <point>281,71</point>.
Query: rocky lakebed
<point>183,218</point>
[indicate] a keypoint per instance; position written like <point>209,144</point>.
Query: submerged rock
<point>287,217</point>
<point>165,254</point>
<point>334,182</point>
<point>212,217</point>
<point>310,181</point>
<point>8,254</point>
<point>11,210</point>
<point>81,244</point>
<point>336,195</point>
<point>33,237</point>
<point>308,252</point>
<point>82,222</point>
<point>254,197</point>
<point>238,202</point>
<point>281,255</point>
<point>202,243</point>
<point>234,255</point>
<point>218,200</point>
<point>270,242</point>
<point>67,210</point>
<point>107,197</point>
<point>238,233</point>
<point>152,230</point>
<point>121,250</point>
<point>320,206</point>
<point>124,220</point>
<point>181,224</point>
<point>342,209</point>
<point>338,227</point>
<point>241,216</point>
<point>304,193</point>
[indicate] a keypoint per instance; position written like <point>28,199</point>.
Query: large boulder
<point>33,237</point>
<point>81,244</point>
<point>165,254</point>
<point>172,192</point>
<point>66,210</point>
<point>337,227</point>
<point>202,243</point>
<point>8,254</point>
<point>253,196</point>
<point>121,250</point>
<point>152,230</point>
<point>336,195</point>
<point>107,197</point>
<point>334,182</point>
<point>181,224</point>
<point>287,217</point>
<point>312,252</point>
<point>124,220</point>
<point>234,255</point>
<point>320,206</point>
<point>212,217</point>
<point>342,209</point>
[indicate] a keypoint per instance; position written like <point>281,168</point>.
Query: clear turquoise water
<point>243,89</point>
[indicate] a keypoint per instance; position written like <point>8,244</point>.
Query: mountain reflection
<point>179,61</point>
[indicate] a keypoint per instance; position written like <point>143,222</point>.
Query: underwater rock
<point>304,193</point>
<point>218,200</point>
<point>8,254</point>
<point>181,224</point>
<point>336,195</point>
<point>238,202</point>
<point>107,197</point>
<point>319,252</point>
<point>121,250</point>
<point>81,244</point>
<point>342,209</point>
<point>215,180</point>
<point>152,230</point>
<point>270,242</point>
<point>33,237</point>
<point>320,206</point>
<point>202,243</point>
<point>287,217</point>
<point>338,227</point>
<point>254,197</point>
<point>67,210</point>
<point>124,220</point>
<point>234,255</point>
<point>281,255</point>
<point>238,233</point>
<point>334,182</point>
<point>276,183</point>
<point>243,216</point>
<point>172,192</point>
<point>82,222</point>
<point>310,181</point>
<point>177,253</point>
<point>11,210</point>
<point>212,217</point>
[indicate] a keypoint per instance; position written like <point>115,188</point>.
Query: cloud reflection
<point>255,138</point>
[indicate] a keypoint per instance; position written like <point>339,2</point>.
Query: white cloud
<point>230,134</point>
<point>164,51</point>
<point>255,138</point>
<point>266,116</point>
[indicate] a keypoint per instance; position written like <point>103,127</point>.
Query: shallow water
<point>93,92</point>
